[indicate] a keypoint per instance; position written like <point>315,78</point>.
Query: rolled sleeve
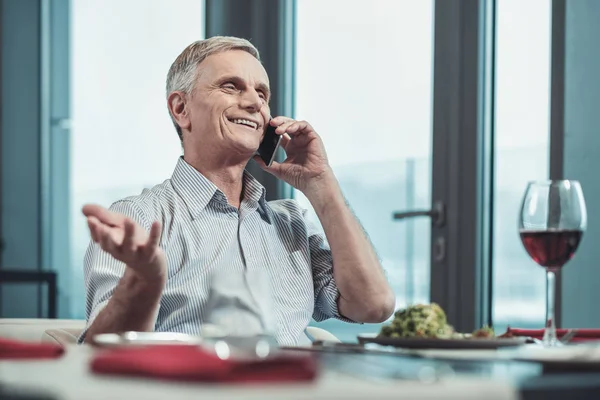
<point>102,272</point>
<point>325,288</point>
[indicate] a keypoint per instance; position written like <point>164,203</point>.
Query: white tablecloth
<point>69,378</point>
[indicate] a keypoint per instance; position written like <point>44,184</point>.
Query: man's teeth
<point>245,122</point>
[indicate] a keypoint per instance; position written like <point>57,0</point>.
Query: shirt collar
<point>193,187</point>
<point>255,195</point>
<point>197,191</point>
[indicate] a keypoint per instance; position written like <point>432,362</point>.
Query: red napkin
<point>13,349</point>
<point>192,363</point>
<point>581,335</point>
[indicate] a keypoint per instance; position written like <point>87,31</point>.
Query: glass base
<point>550,339</point>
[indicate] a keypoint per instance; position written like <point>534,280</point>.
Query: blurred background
<point>84,119</point>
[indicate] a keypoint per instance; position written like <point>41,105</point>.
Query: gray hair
<point>184,70</point>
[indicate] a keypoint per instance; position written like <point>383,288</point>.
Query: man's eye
<point>229,86</point>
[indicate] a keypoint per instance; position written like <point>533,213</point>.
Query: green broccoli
<point>419,320</point>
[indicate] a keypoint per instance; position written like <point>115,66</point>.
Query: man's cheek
<point>266,113</point>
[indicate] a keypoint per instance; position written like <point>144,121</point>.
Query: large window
<point>521,153</point>
<point>122,136</point>
<point>364,82</point>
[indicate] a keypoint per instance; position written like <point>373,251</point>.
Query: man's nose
<point>251,100</point>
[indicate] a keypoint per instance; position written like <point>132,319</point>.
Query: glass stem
<point>550,331</point>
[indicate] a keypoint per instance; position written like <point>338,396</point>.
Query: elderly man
<point>150,264</point>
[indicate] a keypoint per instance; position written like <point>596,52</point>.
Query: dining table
<point>350,372</point>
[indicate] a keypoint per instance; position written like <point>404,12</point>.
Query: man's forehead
<point>237,63</point>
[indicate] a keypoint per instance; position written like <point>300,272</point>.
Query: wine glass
<point>239,317</point>
<point>552,220</point>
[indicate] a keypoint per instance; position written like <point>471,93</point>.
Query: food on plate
<point>420,320</point>
<point>427,321</point>
<point>485,332</point>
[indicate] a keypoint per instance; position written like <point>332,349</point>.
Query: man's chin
<point>244,150</point>
<point>242,143</point>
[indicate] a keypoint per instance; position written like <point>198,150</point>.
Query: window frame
<point>462,160</point>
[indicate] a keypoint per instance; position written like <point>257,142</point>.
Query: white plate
<point>434,343</point>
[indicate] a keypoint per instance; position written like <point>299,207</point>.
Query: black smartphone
<point>269,145</point>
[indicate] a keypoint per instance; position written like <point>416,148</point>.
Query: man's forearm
<point>132,307</point>
<point>365,295</point>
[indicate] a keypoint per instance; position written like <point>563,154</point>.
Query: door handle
<point>437,214</point>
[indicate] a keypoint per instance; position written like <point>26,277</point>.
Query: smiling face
<point>228,108</point>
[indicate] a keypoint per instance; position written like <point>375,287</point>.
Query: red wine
<point>552,248</point>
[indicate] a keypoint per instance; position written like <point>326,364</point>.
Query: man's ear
<point>177,103</point>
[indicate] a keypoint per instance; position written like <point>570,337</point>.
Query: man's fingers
<point>93,225</point>
<point>285,140</point>
<point>103,215</point>
<point>128,237</point>
<point>260,162</point>
<point>281,129</point>
<point>277,121</point>
<point>291,126</point>
<point>106,241</point>
<point>274,169</point>
<point>153,238</point>
<point>298,128</point>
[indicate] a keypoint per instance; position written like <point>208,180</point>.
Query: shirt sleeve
<point>101,271</point>
<point>325,288</point>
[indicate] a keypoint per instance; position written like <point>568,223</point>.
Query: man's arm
<point>132,307</point>
<point>131,250</point>
<point>365,295</point>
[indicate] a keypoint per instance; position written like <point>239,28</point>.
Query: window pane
<point>122,136</point>
<point>364,82</point>
<point>521,154</point>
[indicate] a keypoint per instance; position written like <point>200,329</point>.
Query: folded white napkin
<point>584,352</point>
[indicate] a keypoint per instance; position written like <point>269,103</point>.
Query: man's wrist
<point>137,293</point>
<point>134,282</point>
<point>324,192</point>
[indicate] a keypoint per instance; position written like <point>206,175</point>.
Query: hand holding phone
<point>269,145</point>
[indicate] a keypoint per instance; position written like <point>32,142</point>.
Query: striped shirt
<point>202,234</point>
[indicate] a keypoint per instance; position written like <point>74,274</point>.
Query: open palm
<point>127,241</point>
